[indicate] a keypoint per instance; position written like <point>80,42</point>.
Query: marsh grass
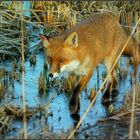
<point>43,80</point>
<point>53,17</point>
<point>10,41</point>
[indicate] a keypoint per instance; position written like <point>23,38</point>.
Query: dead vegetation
<point>54,17</point>
<point>10,36</point>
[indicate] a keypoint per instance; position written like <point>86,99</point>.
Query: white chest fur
<point>77,67</point>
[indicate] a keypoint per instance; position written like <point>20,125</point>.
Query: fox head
<point>61,53</point>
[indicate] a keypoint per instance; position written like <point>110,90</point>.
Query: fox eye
<point>61,62</point>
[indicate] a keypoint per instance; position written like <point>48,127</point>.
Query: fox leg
<point>74,104</point>
<point>111,86</point>
<point>111,82</point>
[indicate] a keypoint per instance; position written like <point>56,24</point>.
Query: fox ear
<point>72,40</point>
<point>45,40</point>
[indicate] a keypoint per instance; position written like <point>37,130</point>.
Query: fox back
<point>87,44</point>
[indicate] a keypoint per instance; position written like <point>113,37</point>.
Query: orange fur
<point>97,39</point>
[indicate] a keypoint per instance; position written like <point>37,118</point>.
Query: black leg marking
<point>74,104</point>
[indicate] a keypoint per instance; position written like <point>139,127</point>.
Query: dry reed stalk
<point>73,20</point>
<point>66,12</point>
<point>23,82</point>
<point>129,17</point>
<point>48,16</point>
<point>101,87</point>
<point>132,112</point>
<point>50,13</point>
<point>137,33</point>
<point>134,87</point>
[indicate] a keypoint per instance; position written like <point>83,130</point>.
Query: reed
<point>135,91</point>
<point>23,82</point>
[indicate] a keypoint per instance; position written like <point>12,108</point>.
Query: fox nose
<point>50,75</point>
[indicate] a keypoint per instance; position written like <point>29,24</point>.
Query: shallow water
<point>60,120</point>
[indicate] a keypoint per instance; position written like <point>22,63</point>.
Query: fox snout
<point>50,75</point>
<point>53,75</point>
<point>54,70</point>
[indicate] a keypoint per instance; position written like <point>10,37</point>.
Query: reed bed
<point>10,36</point>
<point>66,14</point>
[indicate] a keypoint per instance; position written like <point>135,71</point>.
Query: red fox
<point>97,39</point>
